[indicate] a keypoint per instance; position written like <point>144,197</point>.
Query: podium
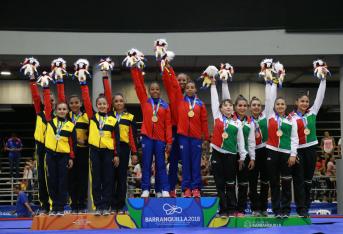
<point>162,213</point>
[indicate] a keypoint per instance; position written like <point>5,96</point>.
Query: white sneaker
<point>158,194</point>
<point>145,194</point>
<point>165,194</point>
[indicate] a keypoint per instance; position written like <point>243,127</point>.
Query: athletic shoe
<point>187,193</point>
<point>43,212</point>
<point>158,194</point>
<point>256,214</point>
<point>106,212</point>
<point>231,214</point>
<point>172,193</point>
<point>121,212</point>
<point>222,215</point>
<point>264,213</point>
<point>145,194</point>
<point>196,193</point>
<point>239,214</point>
<point>60,213</point>
<point>52,213</point>
<point>97,212</point>
<point>285,215</point>
<point>165,194</point>
<point>278,216</point>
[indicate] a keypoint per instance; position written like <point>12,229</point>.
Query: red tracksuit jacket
<point>197,126</point>
<point>162,129</point>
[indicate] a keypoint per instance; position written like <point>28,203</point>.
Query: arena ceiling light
<point>5,73</point>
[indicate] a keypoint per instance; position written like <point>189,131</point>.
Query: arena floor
<point>331,225</point>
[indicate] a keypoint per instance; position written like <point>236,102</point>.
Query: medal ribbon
<point>303,118</point>
<point>155,110</point>
<point>226,122</point>
<point>102,121</point>
<point>279,121</point>
<point>60,125</point>
<point>74,117</point>
<point>191,105</point>
<point>257,126</point>
<point>118,116</point>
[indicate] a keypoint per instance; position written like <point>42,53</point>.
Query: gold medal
<point>101,132</point>
<point>279,133</point>
<point>225,135</point>
<point>58,137</point>
<point>307,131</point>
<point>154,119</point>
<point>190,114</point>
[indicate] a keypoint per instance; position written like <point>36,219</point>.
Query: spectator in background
<point>23,208</point>
<point>320,166</point>
<point>328,144</point>
<point>14,148</point>
<point>331,167</point>
<point>27,178</point>
<point>331,182</point>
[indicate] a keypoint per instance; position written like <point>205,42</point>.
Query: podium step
<point>73,222</point>
<point>163,213</point>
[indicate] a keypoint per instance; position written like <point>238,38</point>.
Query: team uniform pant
<point>190,150</point>
<point>243,184</point>
<point>57,177</point>
<point>259,201</point>
<point>102,177</point>
<point>150,148</point>
<point>120,178</point>
<point>224,172</point>
<point>278,167</point>
<point>174,158</point>
<point>302,176</point>
<point>78,179</point>
<point>42,183</point>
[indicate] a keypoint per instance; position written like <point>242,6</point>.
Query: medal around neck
<point>191,114</point>
<point>225,135</point>
<point>154,119</point>
<point>279,133</point>
<point>307,131</point>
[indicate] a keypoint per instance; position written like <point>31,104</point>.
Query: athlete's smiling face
<point>118,103</point>
<point>241,107</point>
<point>226,108</point>
<point>75,104</point>
<point>302,103</point>
<point>182,79</point>
<point>256,107</point>
<point>154,90</point>
<point>280,106</point>
<point>61,110</point>
<point>102,105</point>
<point>190,89</point>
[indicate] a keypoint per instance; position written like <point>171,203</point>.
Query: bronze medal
<point>190,114</point>
<point>307,131</point>
<point>154,119</point>
<point>279,133</point>
<point>257,135</point>
<point>101,132</point>
<point>225,135</point>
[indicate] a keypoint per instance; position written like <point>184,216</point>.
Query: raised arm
<point>35,96</point>
<point>319,97</point>
<point>137,75</point>
<point>107,90</point>
<point>225,90</point>
<point>240,142</point>
<point>60,91</point>
<point>271,91</point>
<point>132,142</point>
<point>214,102</point>
<point>252,141</point>
<point>86,100</point>
<point>167,83</point>
<point>47,103</point>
